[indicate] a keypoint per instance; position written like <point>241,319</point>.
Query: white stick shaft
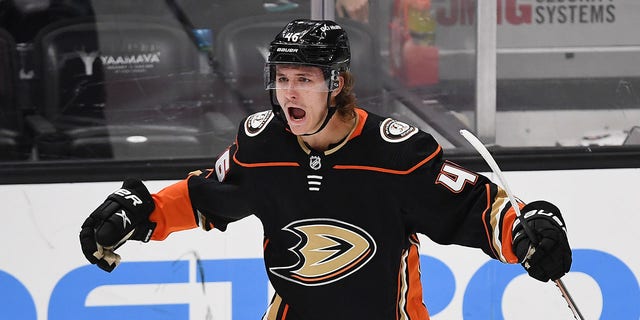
<point>479,146</point>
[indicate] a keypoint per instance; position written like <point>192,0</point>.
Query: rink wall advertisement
<point>543,39</point>
<point>545,23</point>
<point>220,275</point>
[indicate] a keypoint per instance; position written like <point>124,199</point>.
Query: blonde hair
<point>345,101</point>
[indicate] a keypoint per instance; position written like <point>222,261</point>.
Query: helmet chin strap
<point>330,113</point>
<point>331,110</point>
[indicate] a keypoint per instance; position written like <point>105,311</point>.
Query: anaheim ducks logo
<point>328,251</point>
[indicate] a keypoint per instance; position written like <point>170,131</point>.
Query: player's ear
<point>337,90</point>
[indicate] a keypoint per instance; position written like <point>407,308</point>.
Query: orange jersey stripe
<point>409,303</point>
<point>265,164</point>
<point>415,306</point>
<point>261,164</point>
<point>507,235</point>
<point>392,171</point>
<point>505,245</point>
<point>362,118</point>
<point>265,244</point>
<point>173,210</point>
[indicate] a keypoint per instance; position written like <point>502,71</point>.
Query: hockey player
<point>341,194</point>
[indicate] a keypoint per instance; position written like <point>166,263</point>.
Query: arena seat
<point>243,47</point>
<point>14,144</point>
<point>123,88</point>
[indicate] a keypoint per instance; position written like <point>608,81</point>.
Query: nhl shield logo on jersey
<point>256,122</point>
<point>328,250</point>
<point>396,131</point>
<point>315,162</point>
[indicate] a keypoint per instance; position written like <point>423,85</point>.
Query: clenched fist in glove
<point>550,258</point>
<point>123,216</point>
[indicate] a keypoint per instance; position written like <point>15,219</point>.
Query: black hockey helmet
<point>320,43</point>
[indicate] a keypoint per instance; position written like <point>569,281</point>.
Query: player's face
<point>302,93</point>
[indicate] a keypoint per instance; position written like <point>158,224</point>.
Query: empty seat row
<point>14,143</point>
<point>130,87</point>
<point>115,88</point>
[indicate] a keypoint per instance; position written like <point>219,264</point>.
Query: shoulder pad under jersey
<point>257,122</point>
<point>405,145</point>
<point>394,131</point>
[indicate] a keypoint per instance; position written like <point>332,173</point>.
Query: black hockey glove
<point>123,216</point>
<point>550,258</point>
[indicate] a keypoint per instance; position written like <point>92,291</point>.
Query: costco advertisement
<point>220,275</point>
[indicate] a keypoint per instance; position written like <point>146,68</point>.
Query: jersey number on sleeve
<point>222,165</point>
<point>455,178</point>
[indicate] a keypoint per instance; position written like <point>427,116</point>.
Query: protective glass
<point>299,77</point>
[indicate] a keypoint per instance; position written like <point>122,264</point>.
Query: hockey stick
<point>479,146</point>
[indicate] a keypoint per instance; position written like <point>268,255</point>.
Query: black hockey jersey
<point>340,225</point>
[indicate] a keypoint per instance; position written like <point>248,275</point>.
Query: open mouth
<point>296,113</point>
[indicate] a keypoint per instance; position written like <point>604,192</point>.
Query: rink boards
<point>215,275</point>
